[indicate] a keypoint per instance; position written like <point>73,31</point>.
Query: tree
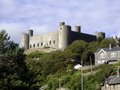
<point>77,48</point>
<point>86,57</point>
<point>12,66</point>
<point>88,54</point>
<point>105,42</point>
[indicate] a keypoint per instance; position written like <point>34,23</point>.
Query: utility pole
<point>59,84</point>
<point>81,75</point>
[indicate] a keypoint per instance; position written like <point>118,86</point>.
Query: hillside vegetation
<point>52,70</point>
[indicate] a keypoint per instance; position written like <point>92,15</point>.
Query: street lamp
<point>59,84</point>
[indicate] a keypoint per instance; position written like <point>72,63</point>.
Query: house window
<point>113,55</point>
<point>102,55</point>
<point>37,44</point>
<point>33,45</point>
<point>101,62</point>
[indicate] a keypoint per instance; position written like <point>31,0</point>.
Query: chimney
<point>110,46</point>
<point>118,72</point>
<point>117,40</point>
<point>116,37</point>
<point>78,29</point>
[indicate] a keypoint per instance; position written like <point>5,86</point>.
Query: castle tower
<point>78,29</point>
<point>61,23</point>
<point>25,41</point>
<point>100,35</point>
<point>30,32</point>
<point>64,35</point>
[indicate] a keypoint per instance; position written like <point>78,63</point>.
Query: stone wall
<point>111,87</point>
<point>82,36</point>
<point>44,41</point>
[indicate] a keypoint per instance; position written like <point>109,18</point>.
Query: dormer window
<point>102,55</point>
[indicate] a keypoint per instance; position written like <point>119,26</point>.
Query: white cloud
<point>14,30</point>
<point>7,7</point>
<point>44,15</point>
<point>39,29</point>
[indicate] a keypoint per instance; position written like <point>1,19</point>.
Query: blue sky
<point>17,16</point>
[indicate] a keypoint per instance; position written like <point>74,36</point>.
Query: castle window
<point>50,42</point>
<point>30,46</point>
<point>41,43</point>
<point>33,45</point>
<point>37,44</point>
<point>54,41</point>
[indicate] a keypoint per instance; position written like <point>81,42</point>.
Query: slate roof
<point>108,49</point>
<point>112,80</point>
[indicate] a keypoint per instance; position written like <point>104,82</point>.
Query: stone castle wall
<point>82,36</point>
<point>59,39</point>
<point>44,40</point>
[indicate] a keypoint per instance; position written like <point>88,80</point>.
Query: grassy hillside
<point>55,69</point>
<point>51,70</point>
<point>72,79</point>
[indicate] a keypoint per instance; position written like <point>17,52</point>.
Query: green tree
<point>105,42</point>
<point>88,53</point>
<point>76,48</point>
<point>12,67</point>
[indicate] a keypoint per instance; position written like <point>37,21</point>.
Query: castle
<point>58,40</point>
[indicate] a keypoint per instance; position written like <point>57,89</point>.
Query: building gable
<point>102,51</point>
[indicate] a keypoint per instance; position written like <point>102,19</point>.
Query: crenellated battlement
<point>59,39</point>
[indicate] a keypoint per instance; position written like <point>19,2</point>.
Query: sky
<point>18,16</point>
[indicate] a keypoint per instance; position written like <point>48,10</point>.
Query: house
<point>107,55</point>
<point>112,82</point>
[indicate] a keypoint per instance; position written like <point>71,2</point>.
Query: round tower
<point>25,41</point>
<point>78,29</point>
<point>100,35</point>
<point>61,23</point>
<point>30,32</point>
<point>64,36</point>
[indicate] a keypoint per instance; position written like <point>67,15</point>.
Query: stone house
<point>112,82</point>
<point>107,55</point>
